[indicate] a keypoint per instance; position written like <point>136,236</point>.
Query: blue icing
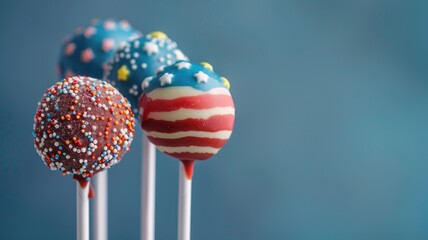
<point>94,37</point>
<point>141,58</point>
<point>186,77</point>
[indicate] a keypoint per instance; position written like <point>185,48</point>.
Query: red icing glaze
<point>189,165</point>
<point>83,183</point>
<point>212,124</point>
<point>188,141</point>
<point>195,102</point>
<point>190,156</point>
<point>91,193</point>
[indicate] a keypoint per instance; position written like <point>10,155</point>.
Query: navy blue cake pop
<point>88,49</point>
<point>138,59</point>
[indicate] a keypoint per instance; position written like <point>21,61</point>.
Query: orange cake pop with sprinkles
<point>82,126</point>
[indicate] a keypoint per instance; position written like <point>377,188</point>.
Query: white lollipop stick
<point>82,211</point>
<point>184,199</point>
<point>148,180</point>
<point>100,206</point>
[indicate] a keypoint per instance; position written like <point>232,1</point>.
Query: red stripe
<point>204,101</point>
<point>213,124</point>
<point>190,156</point>
<point>188,141</point>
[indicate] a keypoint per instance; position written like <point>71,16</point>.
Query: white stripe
<point>169,93</point>
<point>184,113</point>
<point>224,134</point>
<point>190,149</point>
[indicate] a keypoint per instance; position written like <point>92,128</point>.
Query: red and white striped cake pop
<point>187,111</point>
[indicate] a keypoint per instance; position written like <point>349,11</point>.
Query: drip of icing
<point>188,167</point>
<point>91,193</point>
<point>83,183</point>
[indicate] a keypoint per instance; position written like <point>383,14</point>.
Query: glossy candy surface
<point>187,111</point>
<point>88,49</point>
<point>139,59</point>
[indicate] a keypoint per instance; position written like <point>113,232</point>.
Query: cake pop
<point>187,111</point>
<point>139,59</point>
<point>88,49</point>
<point>82,126</point>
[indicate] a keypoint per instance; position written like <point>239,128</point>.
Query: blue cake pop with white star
<point>138,59</point>
<point>88,49</point>
<point>198,76</point>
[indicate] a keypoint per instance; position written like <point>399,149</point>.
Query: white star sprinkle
<point>201,77</point>
<point>179,55</point>
<point>166,78</point>
<point>181,65</point>
<point>159,69</point>
<point>150,48</point>
<point>146,82</point>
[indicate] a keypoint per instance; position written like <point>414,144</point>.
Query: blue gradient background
<point>331,130</point>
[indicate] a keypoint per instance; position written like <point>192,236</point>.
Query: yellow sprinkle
<point>159,34</point>
<point>123,73</point>
<point>225,82</point>
<point>207,66</point>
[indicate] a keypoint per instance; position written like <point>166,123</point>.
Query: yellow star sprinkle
<point>123,73</point>
<point>225,83</point>
<point>207,66</point>
<point>159,35</point>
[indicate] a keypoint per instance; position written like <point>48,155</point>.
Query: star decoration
<point>122,73</point>
<point>125,24</point>
<point>87,55</point>
<point>158,34</point>
<point>89,32</point>
<point>69,49</point>
<point>146,82</point>
<point>207,66</point>
<point>159,69</point>
<point>225,82</point>
<point>179,55</point>
<point>166,78</point>
<point>108,44</point>
<point>201,77</point>
<point>181,65</point>
<point>150,48</point>
<point>109,25</point>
